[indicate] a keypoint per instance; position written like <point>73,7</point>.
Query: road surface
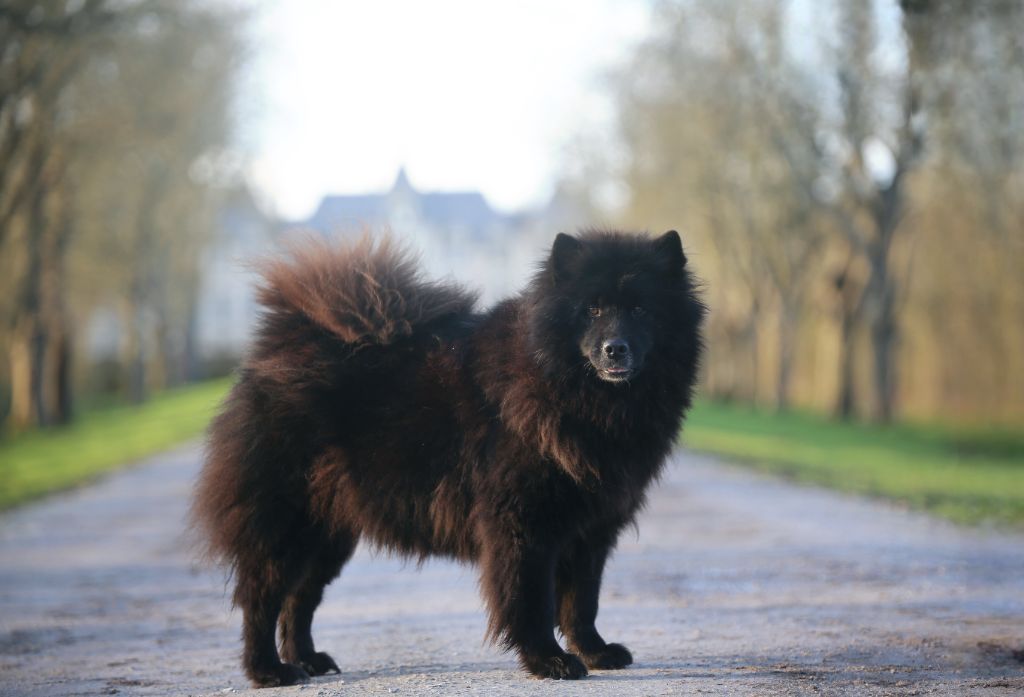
<point>734,584</point>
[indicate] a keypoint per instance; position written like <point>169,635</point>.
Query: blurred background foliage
<point>108,111</point>
<point>852,190</point>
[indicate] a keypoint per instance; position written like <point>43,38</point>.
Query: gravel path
<point>735,584</point>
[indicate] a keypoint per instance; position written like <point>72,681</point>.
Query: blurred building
<point>226,308</point>
<point>457,234</point>
<point>443,217</point>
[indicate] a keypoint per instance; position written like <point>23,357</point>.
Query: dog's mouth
<point>615,373</point>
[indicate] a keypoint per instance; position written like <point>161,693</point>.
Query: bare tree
<point>137,91</point>
<point>44,48</point>
<point>879,151</point>
<point>715,106</point>
<point>832,238</point>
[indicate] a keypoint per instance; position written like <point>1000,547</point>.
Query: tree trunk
<point>847,399</point>
<point>35,335</point>
<point>882,317</point>
<point>41,360</point>
<point>787,340</point>
<point>850,304</point>
<point>64,397</point>
<point>22,409</point>
<point>134,359</point>
<point>191,369</point>
<point>883,340</point>
<point>141,285</point>
<point>882,287</point>
<point>754,337</point>
<point>62,362</point>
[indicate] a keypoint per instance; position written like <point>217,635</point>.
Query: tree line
<point>115,117</point>
<point>849,177</point>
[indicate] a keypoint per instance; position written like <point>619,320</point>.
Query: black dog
<point>376,404</point>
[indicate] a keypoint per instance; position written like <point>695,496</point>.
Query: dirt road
<point>736,584</point>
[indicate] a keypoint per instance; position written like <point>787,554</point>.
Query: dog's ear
<point>564,252</point>
<point>671,249</point>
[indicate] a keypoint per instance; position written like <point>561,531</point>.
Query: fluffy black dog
<point>378,405</point>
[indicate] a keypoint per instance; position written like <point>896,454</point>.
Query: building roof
<point>436,209</point>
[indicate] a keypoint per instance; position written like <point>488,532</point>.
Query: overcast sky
<point>465,94</point>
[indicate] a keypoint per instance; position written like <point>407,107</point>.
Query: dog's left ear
<point>671,248</point>
<point>563,253</point>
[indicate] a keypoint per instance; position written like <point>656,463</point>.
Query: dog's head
<point>609,300</point>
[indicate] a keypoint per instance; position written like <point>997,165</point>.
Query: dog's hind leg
<point>259,592</point>
<point>323,566</point>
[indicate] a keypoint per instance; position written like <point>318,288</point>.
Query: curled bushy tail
<point>363,293</point>
<point>368,291</point>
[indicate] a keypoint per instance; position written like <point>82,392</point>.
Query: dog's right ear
<point>564,252</point>
<point>671,248</point>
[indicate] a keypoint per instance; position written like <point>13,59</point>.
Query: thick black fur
<point>375,405</point>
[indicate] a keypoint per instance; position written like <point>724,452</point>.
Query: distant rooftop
<point>442,209</point>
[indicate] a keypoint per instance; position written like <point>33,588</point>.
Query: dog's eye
<point>639,311</point>
<point>594,311</point>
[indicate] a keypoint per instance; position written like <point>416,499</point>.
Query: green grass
<point>969,476</point>
<point>39,462</point>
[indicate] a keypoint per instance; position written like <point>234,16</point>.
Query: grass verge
<point>968,476</point>
<point>39,462</point>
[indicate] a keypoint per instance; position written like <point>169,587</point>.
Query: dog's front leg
<point>518,580</point>
<point>580,568</point>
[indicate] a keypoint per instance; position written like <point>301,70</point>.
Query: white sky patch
<point>879,161</point>
<point>464,94</point>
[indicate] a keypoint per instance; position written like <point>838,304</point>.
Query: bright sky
<point>466,94</point>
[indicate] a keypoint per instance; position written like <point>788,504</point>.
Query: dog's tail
<point>369,291</point>
<point>331,310</point>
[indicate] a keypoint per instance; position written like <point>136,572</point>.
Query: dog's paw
<point>561,667</point>
<point>278,675</point>
<point>611,657</point>
<point>318,664</point>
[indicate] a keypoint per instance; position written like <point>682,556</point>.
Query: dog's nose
<point>616,349</point>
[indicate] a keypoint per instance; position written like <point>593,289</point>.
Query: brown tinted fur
<point>377,405</point>
<point>370,291</point>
